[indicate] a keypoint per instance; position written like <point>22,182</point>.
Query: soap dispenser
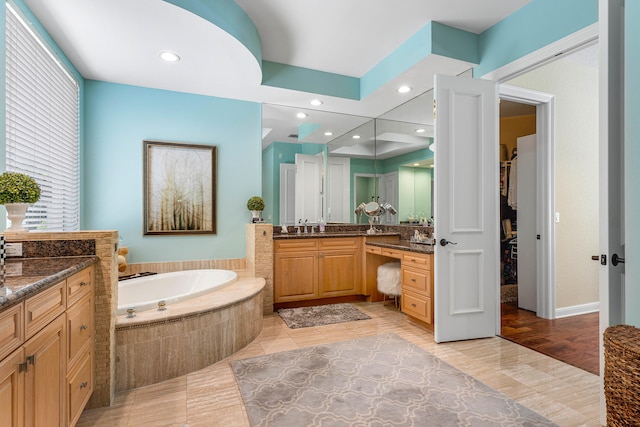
<point>321,225</point>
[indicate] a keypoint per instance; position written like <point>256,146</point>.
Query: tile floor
<point>210,397</point>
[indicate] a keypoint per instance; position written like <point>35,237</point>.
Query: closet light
<point>169,56</point>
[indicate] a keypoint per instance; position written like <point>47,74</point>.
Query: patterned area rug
<point>375,381</point>
<point>304,317</point>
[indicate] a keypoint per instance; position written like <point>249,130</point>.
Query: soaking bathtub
<point>144,293</point>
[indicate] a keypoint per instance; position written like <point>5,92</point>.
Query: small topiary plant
<point>17,187</point>
<point>255,203</point>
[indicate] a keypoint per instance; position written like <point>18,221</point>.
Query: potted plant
<point>256,205</point>
<point>17,192</point>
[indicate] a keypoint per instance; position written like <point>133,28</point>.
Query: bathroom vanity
<point>343,262</point>
<point>47,340</point>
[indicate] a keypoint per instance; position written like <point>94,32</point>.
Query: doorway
<point>572,282</point>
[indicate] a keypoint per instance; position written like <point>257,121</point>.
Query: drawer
<point>417,306</point>
<point>373,249</point>
<point>79,386</point>
<point>295,245</point>
<point>416,260</point>
<point>335,243</point>
<point>417,280</point>
<point>79,327</point>
<point>11,329</point>
<point>392,253</point>
<point>79,284</point>
<point>44,307</point>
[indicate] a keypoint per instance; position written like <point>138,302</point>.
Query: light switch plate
<point>13,249</point>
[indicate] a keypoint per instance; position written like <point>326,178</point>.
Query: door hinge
<point>603,259</point>
<point>434,109</point>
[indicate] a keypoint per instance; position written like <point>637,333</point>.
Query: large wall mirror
<point>321,165</point>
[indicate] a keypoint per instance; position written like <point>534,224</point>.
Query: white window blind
<point>42,126</point>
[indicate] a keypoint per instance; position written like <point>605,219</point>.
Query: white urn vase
<point>16,213</point>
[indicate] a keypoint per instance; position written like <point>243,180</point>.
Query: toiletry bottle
<point>321,225</point>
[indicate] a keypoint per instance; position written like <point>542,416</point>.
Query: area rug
<point>304,317</point>
<point>382,380</point>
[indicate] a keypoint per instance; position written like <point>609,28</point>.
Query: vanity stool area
<point>342,264</point>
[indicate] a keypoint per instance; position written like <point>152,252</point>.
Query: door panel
<point>466,209</point>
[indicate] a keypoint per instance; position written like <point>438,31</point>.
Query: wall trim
<point>575,310</point>
<point>543,55</point>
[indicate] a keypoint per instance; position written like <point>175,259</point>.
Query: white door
<point>466,209</point>
<point>389,193</point>
<point>309,187</point>
<point>287,193</point>
<point>527,229</point>
<point>338,189</point>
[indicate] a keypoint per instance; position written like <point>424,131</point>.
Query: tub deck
<point>189,335</point>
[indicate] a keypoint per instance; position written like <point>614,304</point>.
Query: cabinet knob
<point>83,327</point>
<point>413,305</point>
<point>413,280</point>
<point>84,384</point>
<point>83,283</point>
<point>31,359</point>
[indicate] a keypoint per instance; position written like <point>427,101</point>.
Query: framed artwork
<point>179,188</point>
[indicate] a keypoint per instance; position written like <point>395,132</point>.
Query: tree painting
<point>179,188</point>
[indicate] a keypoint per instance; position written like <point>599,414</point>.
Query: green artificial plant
<point>17,187</point>
<point>255,203</point>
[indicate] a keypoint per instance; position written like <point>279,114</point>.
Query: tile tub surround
<point>157,345</point>
<point>102,244</point>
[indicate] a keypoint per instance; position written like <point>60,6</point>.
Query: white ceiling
<point>119,41</point>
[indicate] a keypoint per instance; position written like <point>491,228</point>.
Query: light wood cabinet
<point>47,377</point>
<point>338,267</point>
<point>307,269</point>
<point>417,286</point>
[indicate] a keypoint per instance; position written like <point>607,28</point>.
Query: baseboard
<point>577,309</point>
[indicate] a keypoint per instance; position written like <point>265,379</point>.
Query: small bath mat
<point>304,317</point>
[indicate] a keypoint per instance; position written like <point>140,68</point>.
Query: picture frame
<point>179,188</point>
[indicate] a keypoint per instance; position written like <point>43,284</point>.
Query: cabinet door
<point>295,276</point>
<point>338,273</point>
<point>45,377</point>
<point>11,390</point>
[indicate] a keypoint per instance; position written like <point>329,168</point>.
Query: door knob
<point>615,259</point>
<point>445,242</point>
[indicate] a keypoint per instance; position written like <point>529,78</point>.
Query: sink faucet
<point>305,226</point>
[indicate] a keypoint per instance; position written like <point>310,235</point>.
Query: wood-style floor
<point>573,340</point>
<point>210,397</point>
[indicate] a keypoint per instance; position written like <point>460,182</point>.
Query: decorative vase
<point>16,213</point>
<point>255,216</point>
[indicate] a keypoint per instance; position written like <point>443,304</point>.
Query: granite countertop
<point>317,235</point>
<point>28,276</point>
<point>405,245</point>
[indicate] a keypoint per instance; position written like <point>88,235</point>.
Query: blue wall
<point>119,117</point>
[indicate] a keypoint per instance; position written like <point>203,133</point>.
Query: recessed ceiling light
<point>169,56</point>
<point>301,115</point>
<point>315,102</point>
<point>356,137</point>
<point>328,133</point>
<point>421,130</point>
<point>404,89</point>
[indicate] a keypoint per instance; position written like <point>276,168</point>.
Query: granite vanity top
<point>26,277</point>
<point>405,245</point>
<point>318,235</point>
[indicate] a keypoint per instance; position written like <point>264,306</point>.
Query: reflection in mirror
<point>361,159</point>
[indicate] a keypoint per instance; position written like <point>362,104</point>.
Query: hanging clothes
<point>512,193</point>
